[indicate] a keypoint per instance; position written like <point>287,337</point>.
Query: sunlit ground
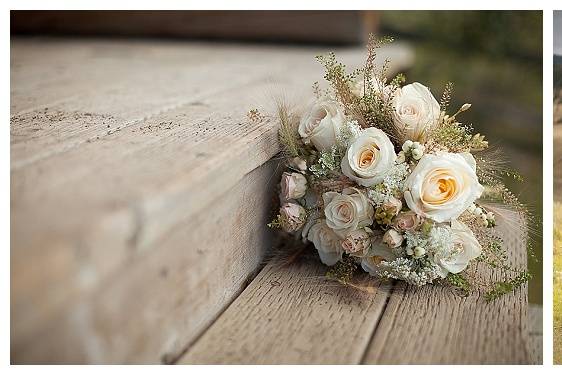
<point>557,241</point>
<point>558,283</point>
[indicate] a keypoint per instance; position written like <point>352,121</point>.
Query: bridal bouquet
<point>380,178</point>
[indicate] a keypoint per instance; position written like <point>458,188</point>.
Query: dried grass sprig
<point>291,143</point>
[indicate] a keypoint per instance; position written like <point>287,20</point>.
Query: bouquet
<point>380,178</point>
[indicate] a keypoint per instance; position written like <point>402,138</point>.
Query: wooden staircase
<point>139,197</point>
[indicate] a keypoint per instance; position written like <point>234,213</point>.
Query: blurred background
<point>493,59</point>
<point>557,38</point>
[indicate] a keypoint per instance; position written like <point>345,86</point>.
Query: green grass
<point>557,288</point>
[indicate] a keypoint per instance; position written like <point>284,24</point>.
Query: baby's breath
<point>391,185</point>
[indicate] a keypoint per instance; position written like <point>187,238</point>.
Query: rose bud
<point>357,242</point>
<point>292,217</point>
<point>392,238</point>
<point>293,186</point>
<point>407,221</point>
<point>392,206</point>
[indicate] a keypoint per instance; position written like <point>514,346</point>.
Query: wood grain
<point>302,321</point>
<point>118,149</point>
<point>291,315</point>
<point>163,298</point>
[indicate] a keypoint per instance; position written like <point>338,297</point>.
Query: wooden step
<point>292,315</point>
<point>139,189</point>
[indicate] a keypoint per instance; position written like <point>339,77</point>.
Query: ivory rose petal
<point>379,252</point>
<point>322,124</point>
<point>369,157</point>
<point>326,242</point>
<point>442,186</point>
<point>293,186</point>
<point>347,211</point>
<point>465,248</point>
<point>415,109</point>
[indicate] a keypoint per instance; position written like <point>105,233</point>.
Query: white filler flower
<point>442,186</point>
<point>321,124</point>
<point>369,158</point>
<point>415,110</point>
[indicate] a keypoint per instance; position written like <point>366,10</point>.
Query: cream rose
<point>293,186</point>
<point>442,186</point>
<point>357,243</point>
<point>326,242</point>
<point>414,110</point>
<point>347,211</point>
<point>379,252</point>
<point>369,157</point>
<point>292,217</point>
<point>465,248</point>
<point>321,124</point>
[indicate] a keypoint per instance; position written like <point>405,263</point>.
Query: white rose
<point>378,253</point>
<point>392,239</point>
<point>369,157</point>
<point>357,243</point>
<point>293,186</point>
<point>292,217</point>
<point>322,124</point>
<point>326,242</point>
<point>414,110</point>
<point>465,248</point>
<point>442,186</point>
<point>347,211</point>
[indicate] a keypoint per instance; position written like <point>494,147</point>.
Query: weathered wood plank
<point>292,315</point>
<point>286,315</point>
<point>96,213</point>
<point>535,334</point>
<point>162,299</point>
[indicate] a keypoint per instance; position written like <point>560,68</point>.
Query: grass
<point>557,289</point>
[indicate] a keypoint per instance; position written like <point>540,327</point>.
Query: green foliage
<point>503,287</point>
<point>340,81</point>
<point>275,223</point>
<point>452,135</point>
<point>458,281</point>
